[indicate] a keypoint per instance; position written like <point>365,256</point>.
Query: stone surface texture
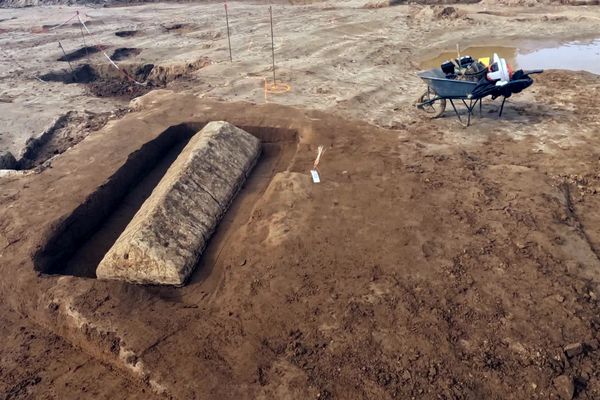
<point>167,235</point>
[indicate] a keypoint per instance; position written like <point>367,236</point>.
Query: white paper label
<point>315,176</point>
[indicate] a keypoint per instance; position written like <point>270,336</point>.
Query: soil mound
<point>130,81</point>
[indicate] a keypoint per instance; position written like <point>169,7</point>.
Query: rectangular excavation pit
<point>78,244</point>
<point>168,234</point>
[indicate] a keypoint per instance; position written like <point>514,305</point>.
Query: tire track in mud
<point>574,219</point>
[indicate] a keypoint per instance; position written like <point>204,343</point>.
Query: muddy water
<point>576,56</point>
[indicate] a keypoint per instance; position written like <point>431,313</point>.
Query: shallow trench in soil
<point>78,244</point>
<point>131,80</point>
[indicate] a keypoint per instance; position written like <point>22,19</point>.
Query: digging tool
<point>314,172</point>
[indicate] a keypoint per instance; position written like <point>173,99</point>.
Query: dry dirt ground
<point>432,262</point>
<point>345,57</point>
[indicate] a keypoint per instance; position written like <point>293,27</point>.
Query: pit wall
<point>61,314</point>
<point>147,74</point>
<point>70,233</point>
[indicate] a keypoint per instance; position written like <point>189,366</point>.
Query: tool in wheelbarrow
<point>470,81</point>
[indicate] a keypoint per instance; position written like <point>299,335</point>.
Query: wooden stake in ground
<point>272,43</point>
<point>66,58</point>
<point>228,35</point>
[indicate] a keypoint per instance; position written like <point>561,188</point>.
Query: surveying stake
<point>228,35</point>
<point>274,87</point>
<point>272,44</point>
<point>66,57</point>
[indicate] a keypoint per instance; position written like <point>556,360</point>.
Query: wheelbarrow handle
<point>533,71</point>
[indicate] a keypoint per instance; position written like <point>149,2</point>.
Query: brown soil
<point>69,130</point>
<point>132,80</point>
<point>432,262</point>
<point>124,88</point>
<point>37,364</point>
<point>416,269</point>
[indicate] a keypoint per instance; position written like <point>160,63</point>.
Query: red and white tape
<point>107,57</point>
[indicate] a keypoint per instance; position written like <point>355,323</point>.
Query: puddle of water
<point>575,56</point>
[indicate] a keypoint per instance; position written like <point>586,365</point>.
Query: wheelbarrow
<point>442,89</point>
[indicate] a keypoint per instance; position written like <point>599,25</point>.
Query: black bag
<point>518,82</point>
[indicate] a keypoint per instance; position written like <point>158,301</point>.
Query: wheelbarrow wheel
<point>432,106</point>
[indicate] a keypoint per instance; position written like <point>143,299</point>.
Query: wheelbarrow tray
<point>444,89</point>
<point>447,88</point>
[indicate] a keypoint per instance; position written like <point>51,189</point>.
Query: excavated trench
<point>81,53</point>
<point>82,74</point>
<point>102,81</point>
<point>63,133</point>
<point>131,33</point>
<point>78,243</point>
<point>123,53</point>
<point>130,81</point>
<point>179,28</point>
<point>105,81</point>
